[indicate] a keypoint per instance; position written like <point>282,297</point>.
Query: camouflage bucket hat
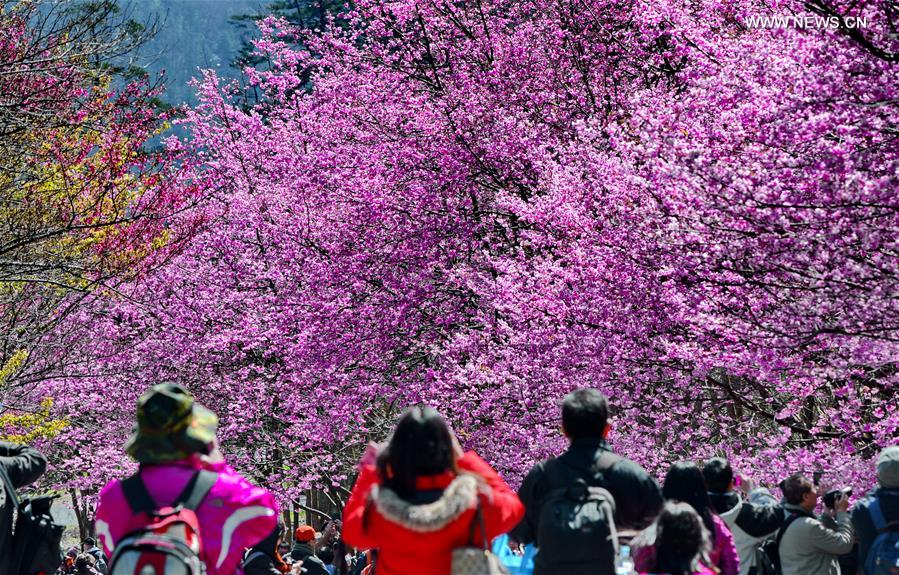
<point>170,426</point>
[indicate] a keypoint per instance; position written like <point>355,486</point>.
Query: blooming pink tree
<point>84,200</point>
<point>483,205</point>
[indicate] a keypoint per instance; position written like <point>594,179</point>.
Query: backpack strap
<point>605,461</point>
<point>197,489</point>
<point>366,512</point>
<point>780,534</point>
<point>137,496</point>
<point>594,475</point>
<point>877,517</point>
<point>140,500</point>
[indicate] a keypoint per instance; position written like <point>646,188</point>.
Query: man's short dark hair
<point>718,474</point>
<point>585,413</point>
<point>795,487</point>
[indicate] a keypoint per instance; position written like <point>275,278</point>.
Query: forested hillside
<point>192,34</point>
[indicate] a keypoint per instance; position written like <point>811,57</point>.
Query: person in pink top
<point>681,543</point>
<point>174,440</point>
<point>685,483</point>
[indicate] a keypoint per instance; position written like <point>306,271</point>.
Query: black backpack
<point>577,518</point>
<point>767,553</point>
<point>36,537</point>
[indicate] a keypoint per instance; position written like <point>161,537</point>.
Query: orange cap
<point>304,533</point>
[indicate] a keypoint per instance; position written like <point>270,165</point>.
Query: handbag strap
<point>478,520</point>
<point>366,513</point>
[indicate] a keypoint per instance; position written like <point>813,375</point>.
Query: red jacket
<point>418,539</point>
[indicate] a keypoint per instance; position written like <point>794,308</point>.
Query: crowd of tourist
<point>423,506</point>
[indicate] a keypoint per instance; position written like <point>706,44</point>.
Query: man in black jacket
<point>887,495</point>
<point>750,521</point>
<point>23,465</point>
<point>637,496</point>
<point>304,539</point>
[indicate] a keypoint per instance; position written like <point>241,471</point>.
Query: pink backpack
<point>162,540</point>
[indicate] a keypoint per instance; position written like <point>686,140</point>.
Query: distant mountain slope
<point>193,34</point>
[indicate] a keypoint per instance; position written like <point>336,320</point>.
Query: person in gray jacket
<point>23,465</point>
<point>807,546</point>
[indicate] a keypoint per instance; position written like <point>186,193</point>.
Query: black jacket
<point>259,563</point>
<point>638,498</point>
<point>312,565</point>
<point>755,520</point>
<point>861,518</point>
<point>23,465</point>
<point>260,559</point>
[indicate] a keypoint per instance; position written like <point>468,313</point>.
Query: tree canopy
<point>484,204</point>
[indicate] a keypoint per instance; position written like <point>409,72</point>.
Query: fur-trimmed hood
<point>458,497</point>
<point>421,538</point>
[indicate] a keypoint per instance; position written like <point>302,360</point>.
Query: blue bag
<point>883,557</point>
<point>516,564</point>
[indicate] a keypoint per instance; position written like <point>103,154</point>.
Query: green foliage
<point>28,426</point>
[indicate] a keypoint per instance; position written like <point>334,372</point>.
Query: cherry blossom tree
<point>86,202</point>
<point>482,205</point>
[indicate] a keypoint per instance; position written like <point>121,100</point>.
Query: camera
<point>830,498</point>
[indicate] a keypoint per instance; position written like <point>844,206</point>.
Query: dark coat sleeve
<point>638,497</point>
<point>864,529</point>
<point>528,493</point>
<point>760,520</point>
<point>23,464</point>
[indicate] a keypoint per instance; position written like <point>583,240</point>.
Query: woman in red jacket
<point>415,501</point>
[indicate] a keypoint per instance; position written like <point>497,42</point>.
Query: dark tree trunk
<point>84,514</point>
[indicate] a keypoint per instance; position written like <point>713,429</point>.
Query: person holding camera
<point>848,561</point>
<point>876,543</point>
<point>807,546</point>
<point>421,497</point>
<point>750,520</point>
